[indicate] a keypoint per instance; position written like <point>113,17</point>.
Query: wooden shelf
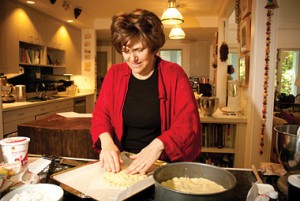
<point>216,150</point>
<point>41,65</point>
<point>238,125</point>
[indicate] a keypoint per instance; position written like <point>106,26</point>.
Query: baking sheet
<point>87,182</point>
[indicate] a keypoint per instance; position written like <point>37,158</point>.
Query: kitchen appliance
<point>193,170</point>
<point>6,90</point>
<point>80,105</point>
<point>233,98</point>
<point>288,151</point>
<point>208,105</point>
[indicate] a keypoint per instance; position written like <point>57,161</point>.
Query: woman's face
<point>139,58</point>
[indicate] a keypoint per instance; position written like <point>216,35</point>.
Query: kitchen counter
<point>18,105</point>
<point>245,179</point>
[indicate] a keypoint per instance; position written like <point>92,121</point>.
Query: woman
<point>146,105</point>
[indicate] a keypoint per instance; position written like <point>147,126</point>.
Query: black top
<point>141,113</point>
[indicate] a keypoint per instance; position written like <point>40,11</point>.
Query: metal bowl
<point>193,170</point>
<point>208,105</point>
<point>288,146</point>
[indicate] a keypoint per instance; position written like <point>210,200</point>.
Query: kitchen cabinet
<point>9,43</point>
<point>223,140</point>
<point>73,51</point>
<point>56,34</point>
<point>23,25</point>
<point>31,26</point>
<point>12,118</point>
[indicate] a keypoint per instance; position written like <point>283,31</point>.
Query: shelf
<point>216,150</point>
<point>219,117</point>
<point>40,65</point>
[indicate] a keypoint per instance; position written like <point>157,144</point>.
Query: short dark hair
<point>138,23</point>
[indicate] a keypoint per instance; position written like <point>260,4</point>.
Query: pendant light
<point>176,33</point>
<point>171,16</point>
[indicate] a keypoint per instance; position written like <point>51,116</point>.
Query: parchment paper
<point>87,180</point>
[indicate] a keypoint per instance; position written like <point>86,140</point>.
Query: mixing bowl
<point>288,146</point>
<point>193,170</point>
<point>208,105</point>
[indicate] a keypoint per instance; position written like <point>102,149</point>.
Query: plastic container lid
<point>294,180</point>
<point>14,141</point>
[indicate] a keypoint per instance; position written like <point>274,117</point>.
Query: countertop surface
<point>245,179</point>
<point>18,105</point>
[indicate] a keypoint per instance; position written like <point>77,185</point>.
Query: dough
<point>193,185</point>
<point>121,179</point>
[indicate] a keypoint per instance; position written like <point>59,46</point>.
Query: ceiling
<point>200,16</point>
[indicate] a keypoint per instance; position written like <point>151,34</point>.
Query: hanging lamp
<point>177,33</point>
<point>171,15</point>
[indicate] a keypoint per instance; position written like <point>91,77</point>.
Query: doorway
<point>104,61</point>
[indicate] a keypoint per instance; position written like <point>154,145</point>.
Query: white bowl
<point>50,192</point>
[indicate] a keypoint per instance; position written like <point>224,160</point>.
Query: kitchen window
<point>287,72</point>
<point>173,55</point>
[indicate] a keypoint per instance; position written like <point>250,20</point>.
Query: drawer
<point>15,115</point>
<point>12,126</point>
<point>44,115</point>
<point>49,107</point>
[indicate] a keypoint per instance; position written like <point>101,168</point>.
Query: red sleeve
<point>182,136</point>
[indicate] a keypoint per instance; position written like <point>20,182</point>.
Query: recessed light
<point>30,2</point>
<point>70,21</point>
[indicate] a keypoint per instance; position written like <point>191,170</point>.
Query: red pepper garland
<point>270,6</point>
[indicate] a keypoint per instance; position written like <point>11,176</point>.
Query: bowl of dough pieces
<point>191,181</point>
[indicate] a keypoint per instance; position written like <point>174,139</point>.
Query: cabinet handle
<point>21,114</point>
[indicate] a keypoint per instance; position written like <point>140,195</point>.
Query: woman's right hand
<point>110,154</point>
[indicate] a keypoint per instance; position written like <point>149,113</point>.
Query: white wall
<point>288,24</point>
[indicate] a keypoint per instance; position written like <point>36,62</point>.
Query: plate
<point>48,191</point>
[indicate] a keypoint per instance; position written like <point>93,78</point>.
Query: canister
<point>20,93</point>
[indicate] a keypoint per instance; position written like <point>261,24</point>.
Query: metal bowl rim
<point>283,132</point>
<point>193,163</point>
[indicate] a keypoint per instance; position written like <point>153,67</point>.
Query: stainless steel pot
<point>191,169</point>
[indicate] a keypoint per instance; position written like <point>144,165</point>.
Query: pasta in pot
<point>193,185</point>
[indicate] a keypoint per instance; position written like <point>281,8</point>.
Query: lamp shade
<point>172,16</point>
<point>176,33</point>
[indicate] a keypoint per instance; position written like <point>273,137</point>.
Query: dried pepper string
<point>270,6</point>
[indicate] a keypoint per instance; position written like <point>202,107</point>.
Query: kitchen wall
<point>37,30</point>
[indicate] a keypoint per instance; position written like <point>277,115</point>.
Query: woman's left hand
<point>144,160</point>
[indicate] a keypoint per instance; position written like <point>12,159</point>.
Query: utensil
<point>192,170</point>
<point>256,175</point>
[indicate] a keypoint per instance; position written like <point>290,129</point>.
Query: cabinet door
<point>56,34</point>
<point>9,54</point>
<point>73,51</point>
<point>31,26</point>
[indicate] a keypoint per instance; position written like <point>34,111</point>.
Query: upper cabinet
<point>56,34</point>
<point>31,27</point>
<point>27,33</point>
<point>73,51</point>
<point>9,42</point>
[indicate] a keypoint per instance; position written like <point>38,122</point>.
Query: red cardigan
<point>180,121</point>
